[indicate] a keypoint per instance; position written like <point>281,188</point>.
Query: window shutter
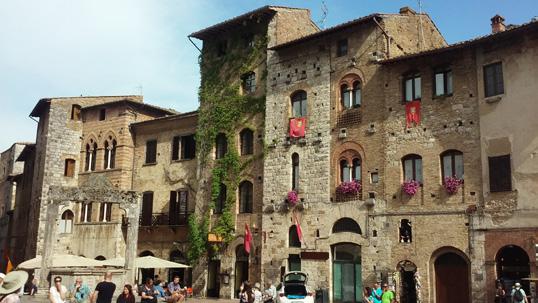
<point>499,85</point>
<point>500,175</point>
<point>183,204</point>
<point>147,208</point>
<point>151,151</point>
<point>175,148</point>
<point>172,209</point>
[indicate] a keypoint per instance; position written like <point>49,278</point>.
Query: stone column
<point>48,243</point>
<point>132,239</point>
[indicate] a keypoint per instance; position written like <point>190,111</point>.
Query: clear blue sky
<point>102,47</point>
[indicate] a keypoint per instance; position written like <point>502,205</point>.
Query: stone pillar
<point>48,243</point>
<point>132,240</point>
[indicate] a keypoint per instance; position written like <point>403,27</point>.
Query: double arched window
<point>350,96</point>
<point>298,104</point>
<point>412,167</point>
<point>452,164</point>
<point>245,197</point>
<point>350,170</point>
<point>110,153</point>
<point>91,155</point>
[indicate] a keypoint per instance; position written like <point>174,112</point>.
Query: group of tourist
<point>253,294</point>
<point>517,295</point>
<point>378,295</point>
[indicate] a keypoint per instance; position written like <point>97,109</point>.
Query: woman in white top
<point>57,292</point>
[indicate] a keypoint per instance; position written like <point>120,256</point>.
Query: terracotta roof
<point>467,43</point>
<point>135,104</point>
<point>217,28</point>
<point>166,118</point>
<point>329,30</point>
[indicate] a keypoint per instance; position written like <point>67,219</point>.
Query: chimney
<point>406,10</point>
<point>497,24</point>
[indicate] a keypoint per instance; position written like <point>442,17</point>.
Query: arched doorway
<point>451,278</point>
<point>347,279</point>
<point>146,272</point>
<point>408,290</point>
<point>241,268</point>
<point>512,265</point>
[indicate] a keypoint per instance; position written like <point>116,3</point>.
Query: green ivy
<point>223,109</point>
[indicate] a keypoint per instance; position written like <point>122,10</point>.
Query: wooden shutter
<point>500,175</point>
<point>188,147</point>
<point>147,208</point>
<point>69,168</point>
<point>175,148</point>
<point>182,209</point>
<point>172,209</point>
<point>151,151</point>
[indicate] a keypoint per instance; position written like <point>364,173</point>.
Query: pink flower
<point>293,198</point>
<point>452,184</point>
<point>349,188</point>
<point>410,187</point>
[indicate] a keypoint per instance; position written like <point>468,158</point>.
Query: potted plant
<point>410,187</point>
<point>350,188</point>
<point>293,198</point>
<point>452,184</point>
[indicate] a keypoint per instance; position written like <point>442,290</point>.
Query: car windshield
<point>295,277</point>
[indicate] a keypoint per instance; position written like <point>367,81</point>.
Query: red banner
<point>298,227</point>
<point>248,239</point>
<point>297,127</point>
<point>412,113</point>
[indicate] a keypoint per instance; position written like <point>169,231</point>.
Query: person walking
<point>388,295</point>
<point>11,283</point>
<point>500,294</point>
<point>80,291</point>
<point>518,294</point>
<point>367,295</point>
<point>126,295</point>
<point>104,290</point>
<point>377,292</point>
<point>57,292</point>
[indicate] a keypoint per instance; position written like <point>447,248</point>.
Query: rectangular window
<point>412,88</point>
<point>500,173</point>
<point>176,147</point>
<point>443,83</point>
<point>102,114</point>
<point>493,79</point>
<point>294,263</point>
<point>147,209</point>
<point>105,212</point>
<point>69,170</point>
<point>151,151</point>
<point>341,49</point>
<point>249,82</point>
<point>86,213</point>
<point>188,147</point>
<point>177,212</point>
<point>374,177</point>
<point>75,112</point>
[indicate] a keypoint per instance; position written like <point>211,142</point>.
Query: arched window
<point>345,96</point>
<point>66,222</point>
<point>91,156</point>
<point>346,225</point>
<point>247,141</point>
<point>245,197</point>
<point>356,173</point>
<point>221,199</point>
<point>293,237</point>
<point>295,171</point>
<point>356,99</point>
<point>298,104</point>
<point>345,175</point>
<point>110,153</point>
<point>221,146</point>
<point>452,164</point>
<point>412,167</point>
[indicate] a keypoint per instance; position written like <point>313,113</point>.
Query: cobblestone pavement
<point>43,299</point>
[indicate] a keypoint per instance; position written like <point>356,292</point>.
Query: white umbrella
<point>144,262</point>
<point>61,261</point>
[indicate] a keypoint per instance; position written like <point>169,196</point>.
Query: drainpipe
<point>387,36</point>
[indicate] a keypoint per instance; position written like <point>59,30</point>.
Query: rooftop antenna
<point>324,12</point>
<point>420,28</point>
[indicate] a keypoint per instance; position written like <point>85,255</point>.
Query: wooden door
<point>451,279</point>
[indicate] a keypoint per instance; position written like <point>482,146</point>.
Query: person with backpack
<point>518,294</point>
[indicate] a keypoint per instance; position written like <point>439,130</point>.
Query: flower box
<point>410,187</point>
<point>452,184</point>
<point>292,198</point>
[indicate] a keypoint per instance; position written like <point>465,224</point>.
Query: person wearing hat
<point>10,286</point>
<point>518,294</point>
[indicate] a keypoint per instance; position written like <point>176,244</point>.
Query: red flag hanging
<point>298,228</point>
<point>297,127</point>
<point>412,113</point>
<point>248,239</point>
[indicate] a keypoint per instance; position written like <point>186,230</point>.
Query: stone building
<point>165,173</point>
<point>230,140</point>
<point>10,172</point>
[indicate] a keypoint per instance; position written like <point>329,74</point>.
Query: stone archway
<point>409,288</point>
<point>452,276</point>
<point>97,189</point>
<point>512,265</point>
